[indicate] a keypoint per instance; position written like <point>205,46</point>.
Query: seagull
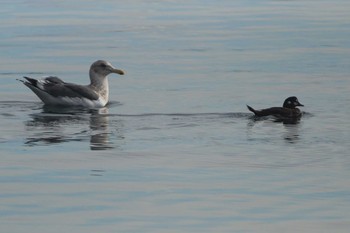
<point>54,91</point>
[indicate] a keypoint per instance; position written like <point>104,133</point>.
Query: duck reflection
<point>286,121</point>
<point>291,134</point>
<point>55,125</point>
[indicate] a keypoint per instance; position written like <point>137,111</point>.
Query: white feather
<point>69,101</point>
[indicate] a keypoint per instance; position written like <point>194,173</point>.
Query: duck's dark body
<point>288,111</point>
<point>279,112</point>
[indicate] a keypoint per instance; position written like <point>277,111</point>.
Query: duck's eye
<point>103,65</point>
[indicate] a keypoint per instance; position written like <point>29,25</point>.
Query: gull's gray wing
<point>54,86</point>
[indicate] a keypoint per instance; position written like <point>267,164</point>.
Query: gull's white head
<point>103,68</point>
<point>98,77</point>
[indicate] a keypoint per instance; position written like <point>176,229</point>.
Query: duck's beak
<point>117,71</point>
<point>297,103</point>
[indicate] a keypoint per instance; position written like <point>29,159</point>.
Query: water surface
<point>176,150</point>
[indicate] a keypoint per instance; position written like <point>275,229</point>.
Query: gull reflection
<point>99,139</point>
<point>54,125</point>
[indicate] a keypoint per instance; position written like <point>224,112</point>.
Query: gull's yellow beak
<point>117,71</point>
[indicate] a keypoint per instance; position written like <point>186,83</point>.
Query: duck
<point>54,91</point>
<point>288,111</point>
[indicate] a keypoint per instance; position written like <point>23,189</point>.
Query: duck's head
<point>292,102</point>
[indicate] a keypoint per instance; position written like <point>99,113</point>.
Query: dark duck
<point>288,111</point>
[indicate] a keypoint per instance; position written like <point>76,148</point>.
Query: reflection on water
<point>55,125</point>
<point>291,126</point>
<point>291,134</point>
<point>61,125</point>
<point>99,130</point>
<point>285,121</point>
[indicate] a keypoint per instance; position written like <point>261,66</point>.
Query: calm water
<point>176,149</point>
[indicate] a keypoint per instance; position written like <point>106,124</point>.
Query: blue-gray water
<point>176,150</point>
